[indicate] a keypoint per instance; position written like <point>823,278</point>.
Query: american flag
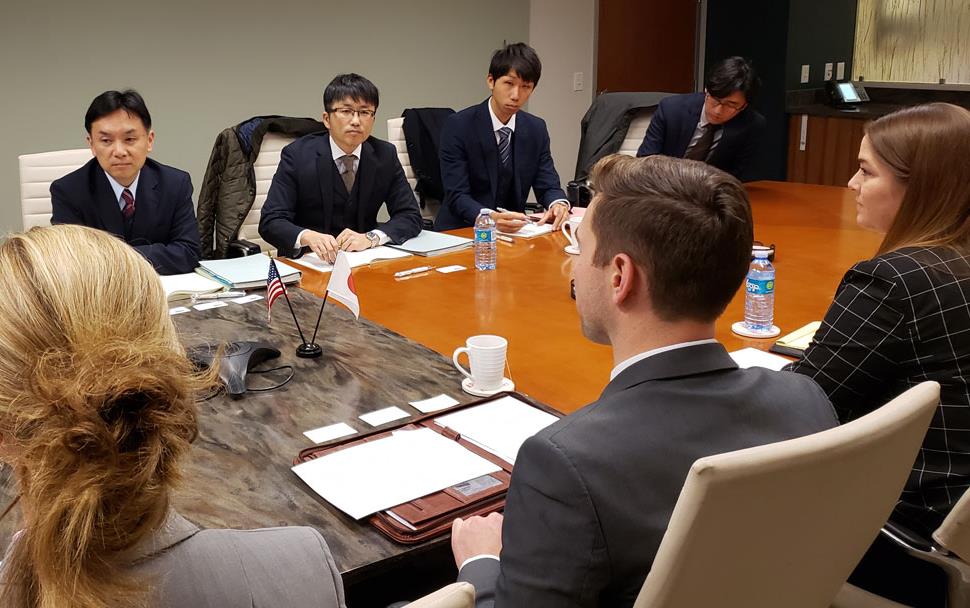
<point>274,289</point>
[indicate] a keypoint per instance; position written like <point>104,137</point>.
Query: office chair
<point>784,524</point>
<point>37,171</point>
<point>455,595</point>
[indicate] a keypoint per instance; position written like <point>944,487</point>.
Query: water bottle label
<point>763,287</point>
<point>484,236</point>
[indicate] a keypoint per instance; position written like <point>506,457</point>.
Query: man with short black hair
<point>663,246</point>
<point>492,153</point>
<point>124,192</point>
<point>715,126</point>
<point>330,185</point>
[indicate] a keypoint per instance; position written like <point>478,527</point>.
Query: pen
<point>405,273</point>
<point>502,237</point>
<point>220,294</point>
<point>528,217</point>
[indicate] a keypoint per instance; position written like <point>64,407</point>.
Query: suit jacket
<point>301,195</point>
<point>592,494</point>
<point>674,123</point>
<point>163,229</point>
<point>897,320</point>
<point>469,166</point>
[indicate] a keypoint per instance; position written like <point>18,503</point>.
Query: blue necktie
<point>504,145</point>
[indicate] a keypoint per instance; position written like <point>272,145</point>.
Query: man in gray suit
<point>664,246</point>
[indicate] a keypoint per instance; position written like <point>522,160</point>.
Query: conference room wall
<point>203,66</point>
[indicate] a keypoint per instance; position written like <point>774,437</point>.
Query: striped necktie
<point>129,209</point>
<point>505,145</point>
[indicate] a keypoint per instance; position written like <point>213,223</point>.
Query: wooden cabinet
<point>831,149</point>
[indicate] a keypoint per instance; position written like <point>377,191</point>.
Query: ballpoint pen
<point>405,273</point>
<point>218,295</point>
<point>528,217</point>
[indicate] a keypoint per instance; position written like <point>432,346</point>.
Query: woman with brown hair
<point>97,408</point>
<point>903,316</point>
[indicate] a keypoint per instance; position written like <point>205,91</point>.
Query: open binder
<point>430,516</point>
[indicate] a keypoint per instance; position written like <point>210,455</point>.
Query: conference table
<point>527,299</point>
<point>238,472</point>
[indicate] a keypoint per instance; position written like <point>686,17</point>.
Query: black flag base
<point>308,351</point>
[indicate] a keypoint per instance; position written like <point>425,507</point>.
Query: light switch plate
<point>840,70</point>
<point>804,73</point>
<point>828,71</point>
<point>577,81</point>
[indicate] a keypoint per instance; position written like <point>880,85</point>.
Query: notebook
<point>530,230</point>
<point>430,243</point>
<point>184,286</point>
<point>246,272</point>
<point>795,343</point>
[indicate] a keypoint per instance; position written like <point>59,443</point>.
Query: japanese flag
<point>341,286</point>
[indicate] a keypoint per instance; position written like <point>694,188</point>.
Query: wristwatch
<point>374,238</point>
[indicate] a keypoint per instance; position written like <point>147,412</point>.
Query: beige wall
<point>563,33</point>
<point>205,65</point>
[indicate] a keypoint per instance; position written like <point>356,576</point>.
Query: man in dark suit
<point>329,186</point>
<point>663,248</point>
<point>493,153</point>
<point>715,126</point>
<point>124,192</point>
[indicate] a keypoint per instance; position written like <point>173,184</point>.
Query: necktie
<point>129,209</point>
<point>348,174</point>
<point>505,145</point>
<point>702,148</point>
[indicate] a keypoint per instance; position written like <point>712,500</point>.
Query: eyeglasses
<point>348,113</point>
<point>730,106</point>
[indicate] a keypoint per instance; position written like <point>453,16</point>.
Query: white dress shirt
<point>119,189</point>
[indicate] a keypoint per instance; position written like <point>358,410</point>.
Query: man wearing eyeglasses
<point>330,185</point>
<point>715,126</point>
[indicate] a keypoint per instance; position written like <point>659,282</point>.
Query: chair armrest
<point>241,248</point>
<point>906,537</point>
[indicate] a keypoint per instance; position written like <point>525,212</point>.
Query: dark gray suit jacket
<point>592,494</point>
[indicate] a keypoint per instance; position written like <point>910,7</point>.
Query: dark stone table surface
<point>238,474</point>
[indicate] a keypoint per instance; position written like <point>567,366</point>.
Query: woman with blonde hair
<point>97,408</point>
<point>903,317</point>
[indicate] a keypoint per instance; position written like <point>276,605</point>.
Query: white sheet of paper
<point>753,357</point>
<point>448,269</point>
<point>380,474</point>
<point>379,417</point>
<point>530,230</point>
<point>208,305</point>
<point>326,433</point>
<point>178,310</point>
<point>433,404</point>
<point>247,299</point>
<point>356,258</point>
<point>499,426</point>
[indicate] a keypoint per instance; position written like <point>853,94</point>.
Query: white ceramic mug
<point>568,228</point>
<point>486,358</point>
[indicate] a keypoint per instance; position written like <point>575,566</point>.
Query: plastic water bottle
<point>759,300</point>
<point>485,245</point>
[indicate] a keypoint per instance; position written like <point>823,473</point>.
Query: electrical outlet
<point>828,71</point>
<point>804,74</point>
<point>577,81</point>
<point>840,70</point>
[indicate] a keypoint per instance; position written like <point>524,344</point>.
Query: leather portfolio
<point>430,516</point>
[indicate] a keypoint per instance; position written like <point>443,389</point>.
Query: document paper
<point>380,474</point>
<point>499,426</point>
<point>752,357</point>
<point>356,258</point>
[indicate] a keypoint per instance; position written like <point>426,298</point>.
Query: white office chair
<point>37,171</point>
<point>395,135</point>
<point>636,132</point>
<point>784,524</point>
<point>267,161</point>
<point>455,595</point>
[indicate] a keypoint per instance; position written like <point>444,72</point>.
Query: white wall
<point>203,65</point>
<point>563,32</point>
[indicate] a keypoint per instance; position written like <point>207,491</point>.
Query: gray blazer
<point>592,494</point>
<point>271,567</point>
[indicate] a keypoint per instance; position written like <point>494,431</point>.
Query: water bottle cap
<point>761,252</point>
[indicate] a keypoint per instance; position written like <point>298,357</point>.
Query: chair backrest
<point>784,524</point>
<point>954,532</point>
<point>636,132</point>
<point>395,135</point>
<point>267,161</point>
<point>37,171</point>
<point>455,595</point>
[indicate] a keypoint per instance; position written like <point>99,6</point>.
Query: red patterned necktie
<point>129,209</point>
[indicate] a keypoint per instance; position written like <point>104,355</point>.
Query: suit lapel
<point>690,125</point>
<point>325,179</point>
<point>687,361</point>
<point>107,204</point>
<point>519,139</point>
<point>364,182</point>
<point>147,201</point>
<point>486,138</point>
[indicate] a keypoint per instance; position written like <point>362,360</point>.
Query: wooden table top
<point>526,299</point>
